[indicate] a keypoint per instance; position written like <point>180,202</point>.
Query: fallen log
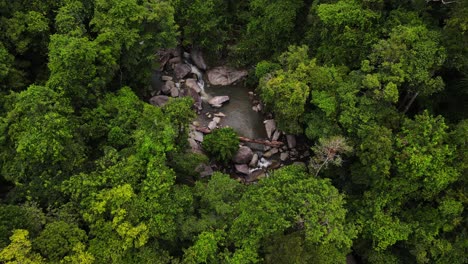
<point>204,130</point>
<point>273,144</point>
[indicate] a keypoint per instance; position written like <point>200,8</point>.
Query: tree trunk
<point>410,102</point>
<point>274,144</point>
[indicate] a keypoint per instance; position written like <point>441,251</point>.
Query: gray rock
<point>198,136</point>
<point>166,78</point>
<point>242,168</point>
<point>175,60</point>
<point>181,70</point>
<point>274,165</point>
<point>197,58</point>
<point>254,160</point>
<point>259,107</point>
<point>243,156</point>
<point>192,84</point>
<point>220,114</point>
<point>196,98</point>
<point>217,119</point>
<point>212,125</point>
<point>284,156</point>
<point>270,127</point>
<point>276,135</point>
<point>291,141</point>
<point>159,100</point>
<point>194,146</point>
<point>225,75</point>
<point>218,101</point>
<point>174,92</point>
<point>167,87</point>
<point>255,175</point>
<point>270,153</point>
<point>204,170</point>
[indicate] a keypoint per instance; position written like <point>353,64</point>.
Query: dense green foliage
<point>91,173</point>
<point>221,144</point>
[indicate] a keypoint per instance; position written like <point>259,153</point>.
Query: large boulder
<point>243,156</point>
<point>242,168</point>
<point>225,76</point>
<point>270,127</point>
<point>181,70</point>
<point>196,98</point>
<point>218,101</point>
<point>159,100</point>
<point>197,58</point>
<point>192,84</point>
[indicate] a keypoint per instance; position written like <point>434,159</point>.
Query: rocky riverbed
<point>221,100</point>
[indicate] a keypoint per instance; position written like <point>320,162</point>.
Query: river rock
<point>284,156</point>
<point>166,78</point>
<point>197,58</point>
<point>212,125</point>
<point>242,168</point>
<point>276,135</point>
<point>274,165</point>
<point>254,160</point>
<point>174,92</point>
<point>196,98</point>
<point>175,60</point>
<point>159,100</point>
<point>270,153</point>
<point>192,84</point>
<point>181,70</point>
<point>291,141</point>
<point>270,127</point>
<point>217,119</point>
<point>225,75</point>
<point>259,107</point>
<point>220,114</point>
<point>243,156</point>
<point>255,175</point>
<point>167,87</point>
<point>204,170</point>
<point>194,146</point>
<point>218,101</point>
<point>198,136</point>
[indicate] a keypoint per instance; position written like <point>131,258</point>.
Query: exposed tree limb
<point>410,102</point>
<point>274,144</point>
<point>443,1</point>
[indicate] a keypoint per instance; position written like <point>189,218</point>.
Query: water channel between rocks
<point>238,111</point>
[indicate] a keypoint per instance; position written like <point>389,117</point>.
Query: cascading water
<point>201,83</point>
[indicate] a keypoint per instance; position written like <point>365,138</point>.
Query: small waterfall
<point>201,83</point>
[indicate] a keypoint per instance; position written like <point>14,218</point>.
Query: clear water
<point>238,111</point>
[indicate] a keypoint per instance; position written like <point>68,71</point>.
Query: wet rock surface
<point>243,156</point>
<point>225,75</point>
